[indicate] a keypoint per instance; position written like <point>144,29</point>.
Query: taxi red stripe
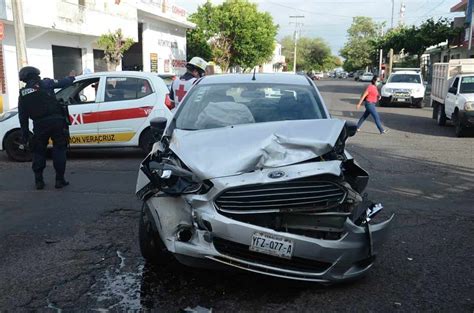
<point>116,115</point>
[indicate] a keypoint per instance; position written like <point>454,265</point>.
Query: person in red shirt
<point>371,97</point>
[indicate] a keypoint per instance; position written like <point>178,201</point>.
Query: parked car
<point>366,77</point>
<point>358,74</point>
<point>452,94</point>
<point>342,75</point>
<point>107,109</point>
<point>319,75</point>
<point>403,87</point>
<point>252,173</point>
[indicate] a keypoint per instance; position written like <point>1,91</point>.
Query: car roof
<point>266,78</point>
<point>120,74</point>
<point>406,72</point>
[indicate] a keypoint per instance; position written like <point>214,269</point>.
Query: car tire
<point>146,141</point>
<point>419,104</point>
<point>440,115</point>
<point>459,129</point>
<point>151,247</point>
<point>12,144</point>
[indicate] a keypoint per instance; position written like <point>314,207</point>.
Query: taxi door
<point>128,101</point>
<point>82,98</point>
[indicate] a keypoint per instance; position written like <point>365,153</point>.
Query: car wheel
<point>12,147</point>
<point>458,127</point>
<point>151,247</point>
<point>419,104</point>
<point>440,115</point>
<point>146,141</point>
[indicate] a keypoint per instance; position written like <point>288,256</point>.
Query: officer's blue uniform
<point>37,101</point>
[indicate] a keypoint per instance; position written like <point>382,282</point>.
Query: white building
<point>276,64</point>
<point>61,36</point>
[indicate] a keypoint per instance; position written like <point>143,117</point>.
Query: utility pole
<point>296,17</point>
<point>380,54</point>
<point>20,38</point>
<point>393,12</point>
<point>401,19</point>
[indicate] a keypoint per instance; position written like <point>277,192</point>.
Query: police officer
<point>195,69</point>
<point>37,101</point>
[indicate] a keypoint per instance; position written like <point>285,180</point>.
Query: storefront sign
<point>154,62</point>
<point>178,11</point>
<point>179,63</point>
<point>1,31</point>
<point>167,66</point>
<point>168,43</point>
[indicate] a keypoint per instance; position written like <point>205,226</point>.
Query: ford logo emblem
<point>276,174</point>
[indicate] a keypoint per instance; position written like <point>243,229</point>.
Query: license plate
<point>272,245</point>
<point>401,100</point>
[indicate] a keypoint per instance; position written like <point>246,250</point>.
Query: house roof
<point>459,7</point>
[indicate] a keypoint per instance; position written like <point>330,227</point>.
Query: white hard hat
<point>199,63</point>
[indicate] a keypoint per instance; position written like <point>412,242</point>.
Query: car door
<point>82,99</point>
<point>128,101</point>
<point>451,98</point>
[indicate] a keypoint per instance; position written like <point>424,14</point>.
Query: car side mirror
<point>453,90</point>
<point>157,126</point>
<point>351,128</point>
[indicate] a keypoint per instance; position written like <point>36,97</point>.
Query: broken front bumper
<point>194,229</point>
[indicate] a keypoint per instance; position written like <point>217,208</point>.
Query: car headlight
<point>388,90</point>
<point>417,90</point>
<point>6,115</point>
<point>469,106</point>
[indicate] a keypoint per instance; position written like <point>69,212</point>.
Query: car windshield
<point>467,85</point>
<point>405,78</point>
<point>221,105</point>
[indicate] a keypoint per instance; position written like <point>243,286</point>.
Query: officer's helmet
<point>199,64</point>
<point>28,72</point>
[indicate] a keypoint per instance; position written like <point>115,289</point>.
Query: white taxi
<point>107,109</point>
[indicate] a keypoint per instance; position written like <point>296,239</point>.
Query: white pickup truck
<point>452,94</point>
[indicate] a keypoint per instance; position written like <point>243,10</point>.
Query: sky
<point>330,19</point>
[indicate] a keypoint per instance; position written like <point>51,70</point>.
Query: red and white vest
<point>180,89</point>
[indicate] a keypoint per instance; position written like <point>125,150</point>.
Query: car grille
<point>294,195</point>
<point>242,252</point>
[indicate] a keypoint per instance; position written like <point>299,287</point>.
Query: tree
<point>114,45</point>
<point>197,40</point>
<point>414,40</point>
<point>360,46</point>
<point>233,33</point>
<point>312,54</point>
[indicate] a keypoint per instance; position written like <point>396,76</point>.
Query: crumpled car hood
<point>228,151</point>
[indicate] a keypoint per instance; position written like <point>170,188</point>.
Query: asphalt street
<point>77,248</point>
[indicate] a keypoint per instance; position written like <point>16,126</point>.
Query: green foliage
<point>312,54</point>
<point>114,45</point>
<point>232,33</point>
<point>414,40</point>
<point>197,39</point>
<point>360,48</point>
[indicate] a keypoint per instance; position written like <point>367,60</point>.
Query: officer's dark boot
<point>60,182</point>
<point>39,182</point>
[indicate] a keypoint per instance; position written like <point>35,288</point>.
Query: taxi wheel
<point>146,141</point>
<point>12,147</point>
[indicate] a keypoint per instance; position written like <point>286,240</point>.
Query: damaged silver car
<point>252,173</point>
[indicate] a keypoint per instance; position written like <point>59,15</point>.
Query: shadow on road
<point>105,153</point>
<point>231,291</point>
<point>414,124</point>
<point>347,87</point>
